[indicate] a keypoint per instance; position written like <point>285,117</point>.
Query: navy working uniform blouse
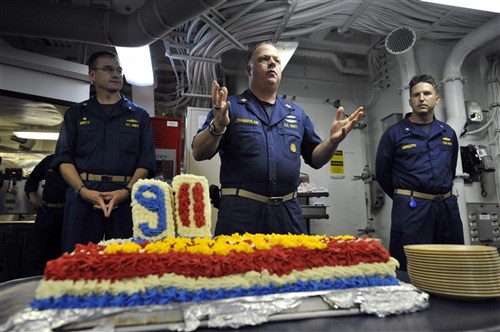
<point>409,158</point>
<point>54,190</point>
<point>262,155</point>
<point>104,143</point>
<point>96,143</point>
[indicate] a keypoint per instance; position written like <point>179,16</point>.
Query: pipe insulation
<point>148,23</point>
<point>335,59</point>
<point>454,98</point>
<point>452,77</point>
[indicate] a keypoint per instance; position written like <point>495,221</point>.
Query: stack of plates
<point>461,271</point>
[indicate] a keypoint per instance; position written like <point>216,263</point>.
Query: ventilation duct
<point>399,42</point>
<point>339,64</point>
<point>52,20</point>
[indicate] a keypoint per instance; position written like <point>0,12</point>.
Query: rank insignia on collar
<point>243,100</point>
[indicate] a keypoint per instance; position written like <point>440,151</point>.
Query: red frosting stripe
<point>199,205</point>
<point>184,203</point>
<point>87,263</point>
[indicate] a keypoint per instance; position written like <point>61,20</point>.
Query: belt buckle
<point>106,178</point>
<point>275,200</point>
<point>438,198</point>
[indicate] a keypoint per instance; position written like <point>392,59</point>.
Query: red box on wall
<point>168,144</point>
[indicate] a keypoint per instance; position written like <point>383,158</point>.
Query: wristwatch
<point>211,129</point>
<point>79,189</point>
<point>127,189</point>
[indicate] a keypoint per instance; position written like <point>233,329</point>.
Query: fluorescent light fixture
<point>44,135</point>
<point>485,5</point>
<point>286,50</point>
<point>136,64</point>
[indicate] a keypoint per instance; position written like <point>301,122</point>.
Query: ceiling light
<point>286,50</point>
<point>44,135</point>
<point>136,64</point>
<point>485,5</point>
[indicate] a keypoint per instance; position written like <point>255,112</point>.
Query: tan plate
<point>458,286</point>
<point>493,282</point>
<point>449,248</point>
<point>459,295</point>
<point>454,276</point>
<point>490,256</point>
<point>459,267</point>
<point>440,290</point>
<point>460,262</point>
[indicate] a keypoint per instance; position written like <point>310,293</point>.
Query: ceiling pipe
<point>454,98</point>
<point>292,4</point>
<point>452,77</point>
<point>148,23</point>
<point>359,11</point>
<point>223,32</point>
<point>335,59</point>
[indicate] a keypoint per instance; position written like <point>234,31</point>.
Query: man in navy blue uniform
<point>415,166</point>
<point>260,138</point>
<point>48,225</point>
<point>105,146</point>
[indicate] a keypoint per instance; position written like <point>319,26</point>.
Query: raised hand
<point>220,106</point>
<point>341,127</point>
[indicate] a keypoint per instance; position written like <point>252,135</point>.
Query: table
<point>444,314</point>
<point>311,212</point>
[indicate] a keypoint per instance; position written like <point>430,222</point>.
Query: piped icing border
<point>211,258</point>
<point>152,210</point>
<point>155,296</point>
<point>192,206</point>
<point>58,288</point>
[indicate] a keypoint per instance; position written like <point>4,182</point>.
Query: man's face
<point>107,74</point>
<point>423,98</point>
<point>264,68</point>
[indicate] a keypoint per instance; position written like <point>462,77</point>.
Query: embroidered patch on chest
<point>84,121</point>
<point>447,141</point>
<point>409,146</point>
<point>132,123</point>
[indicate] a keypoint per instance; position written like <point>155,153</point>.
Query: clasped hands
<point>105,201</point>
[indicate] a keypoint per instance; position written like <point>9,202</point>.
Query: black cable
<point>484,193</point>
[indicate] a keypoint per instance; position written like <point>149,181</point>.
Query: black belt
<point>104,178</point>
<point>256,197</point>
<point>411,193</point>
<point>55,205</point>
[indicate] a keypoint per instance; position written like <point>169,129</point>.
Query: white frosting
<point>58,288</point>
<point>142,215</point>
<point>192,230</point>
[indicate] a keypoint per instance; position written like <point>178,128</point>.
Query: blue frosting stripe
<point>173,295</point>
<point>156,205</point>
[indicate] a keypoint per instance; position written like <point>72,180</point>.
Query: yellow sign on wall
<point>337,163</point>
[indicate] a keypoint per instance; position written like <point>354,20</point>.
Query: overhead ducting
<point>400,42</point>
<point>145,25</point>
<point>339,64</point>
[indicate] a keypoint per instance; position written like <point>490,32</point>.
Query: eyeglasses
<point>110,70</point>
